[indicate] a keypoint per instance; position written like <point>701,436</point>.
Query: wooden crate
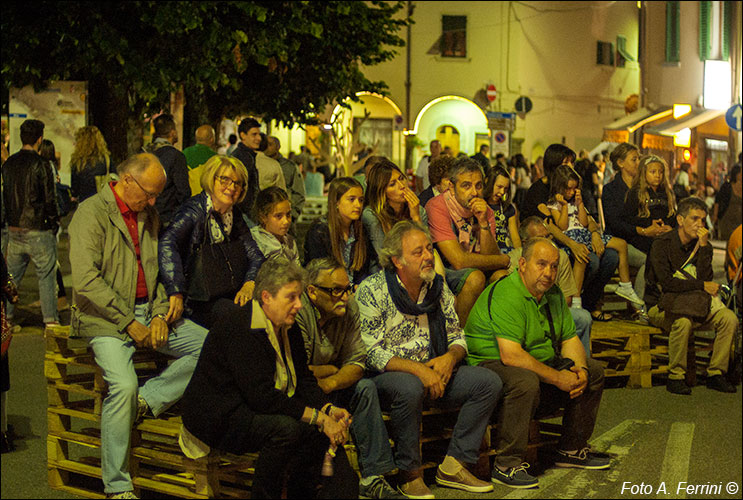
<point>625,349</point>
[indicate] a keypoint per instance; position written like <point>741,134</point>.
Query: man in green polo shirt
<point>197,155</point>
<point>517,331</point>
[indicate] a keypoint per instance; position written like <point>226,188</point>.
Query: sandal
<point>601,316</point>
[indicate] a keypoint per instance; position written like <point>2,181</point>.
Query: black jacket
<point>29,192</point>
<point>247,157</point>
<point>234,380</point>
<point>657,208</point>
<point>667,254</point>
<point>186,232</point>
<point>177,188</point>
<point>317,245</point>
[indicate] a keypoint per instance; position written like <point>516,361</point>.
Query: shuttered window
<point>673,31</point>
<point>715,25</point>
<point>454,36</point>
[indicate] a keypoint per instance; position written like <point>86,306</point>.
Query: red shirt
<point>130,219</point>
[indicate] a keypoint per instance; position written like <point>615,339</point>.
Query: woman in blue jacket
<point>207,253</point>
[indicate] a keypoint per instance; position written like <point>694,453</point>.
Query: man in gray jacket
<point>120,306</point>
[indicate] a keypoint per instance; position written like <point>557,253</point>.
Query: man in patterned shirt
<point>414,349</point>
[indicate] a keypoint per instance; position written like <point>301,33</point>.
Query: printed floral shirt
<point>388,333</point>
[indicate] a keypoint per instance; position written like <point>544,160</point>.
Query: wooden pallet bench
<point>76,391</point>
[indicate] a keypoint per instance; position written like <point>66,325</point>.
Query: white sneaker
<point>122,494</point>
<point>629,294</point>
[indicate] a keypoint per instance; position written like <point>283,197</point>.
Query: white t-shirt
<point>573,220</point>
<point>422,171</point>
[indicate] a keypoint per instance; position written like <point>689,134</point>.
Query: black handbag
<point>216,270</point>
<point>693,304</point>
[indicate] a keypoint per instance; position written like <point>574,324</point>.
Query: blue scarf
<point>431,306</point>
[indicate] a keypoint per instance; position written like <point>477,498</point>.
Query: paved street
<point>658,440</point>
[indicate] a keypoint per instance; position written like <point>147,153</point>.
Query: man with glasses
<point>120,306</point>
<point>329,321</point>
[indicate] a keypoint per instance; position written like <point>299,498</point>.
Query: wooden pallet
<point>625,348</point>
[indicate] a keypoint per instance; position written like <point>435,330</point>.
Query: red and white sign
<point>491,92</point>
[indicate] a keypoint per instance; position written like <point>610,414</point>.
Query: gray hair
<point>464,165</point>
<point>531,243</point>
<point>136,164</point>
<point>526,224</point>
<point>274,274</point>
<point>318,266</point>
<point>392,246</point>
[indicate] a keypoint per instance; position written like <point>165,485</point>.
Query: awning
<point>619,130</point>
<point>698,116</point>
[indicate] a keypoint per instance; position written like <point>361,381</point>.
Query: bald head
<point>205,135</point>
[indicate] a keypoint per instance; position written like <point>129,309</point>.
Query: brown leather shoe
<point>463,480</point>
<point>415,489</point>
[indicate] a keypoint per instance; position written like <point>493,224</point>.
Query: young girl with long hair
<point>570,215</point>
<point>650,201</point>
<point>274,213</point>
<point>497,194</point>
<point>340,234</point>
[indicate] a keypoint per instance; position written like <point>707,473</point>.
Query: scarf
<point>468,239</point>
<point>431,306</point>
<point>217,233</point>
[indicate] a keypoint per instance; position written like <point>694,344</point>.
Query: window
<point>375,131</point>
<point>673,31</point>
<point>605,53</point>
<point>715,24</point>
<point>454,36</point>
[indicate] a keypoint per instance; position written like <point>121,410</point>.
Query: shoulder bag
<point>694,304</point>
<point>216,269</point>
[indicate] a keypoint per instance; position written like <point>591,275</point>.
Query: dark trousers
<point>288,445</point>
<point>598,273</point>
<point>524,396</point>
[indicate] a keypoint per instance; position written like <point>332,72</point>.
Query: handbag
<point>693,304</point>
<point>225,263</point>
<point>64,199</point>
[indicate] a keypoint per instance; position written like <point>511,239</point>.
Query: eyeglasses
<point>150,196</point>
<point>336,292</point>
<point>226,182</point>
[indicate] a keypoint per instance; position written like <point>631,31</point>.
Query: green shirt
<point>517,316</point>
<point>197,155</point>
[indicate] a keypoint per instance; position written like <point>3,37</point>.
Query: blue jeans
<point>474,388</point>
<point>598,273</point>
<point>114,356</point>
<point>39,247</point>
<point>583,322</point>
<point>368,429</point>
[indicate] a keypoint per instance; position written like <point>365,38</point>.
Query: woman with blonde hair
<point>207,253</point>
<point>340,234</point>
<point>90,161</point>
<point>650,202</point>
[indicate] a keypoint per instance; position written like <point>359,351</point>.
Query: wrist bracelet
<point>161,316</point>
<point>314,417</point>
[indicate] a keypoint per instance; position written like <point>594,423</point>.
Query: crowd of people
<point>472,288</point>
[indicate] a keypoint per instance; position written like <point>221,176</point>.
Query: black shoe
<point>720,383</point>
<point>514,477</point>
<point>678,387</point>
<point>583,459</point>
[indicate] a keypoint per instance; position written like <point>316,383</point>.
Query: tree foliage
<point>283,60</point>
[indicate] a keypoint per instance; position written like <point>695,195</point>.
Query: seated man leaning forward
<point>336,355</point>
<point>534,227</point>
<point>252,391</point>
<point>681,261</point>
<point>463,228</point>
<point>120,306</point>
<point>521,329</point>
<point>414,347</point>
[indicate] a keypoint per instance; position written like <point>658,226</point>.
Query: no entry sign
<point>491,92</point>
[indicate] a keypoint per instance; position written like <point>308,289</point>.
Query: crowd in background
<point>223,219</point>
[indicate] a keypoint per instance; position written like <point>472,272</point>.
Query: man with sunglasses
<point>329,321</point>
